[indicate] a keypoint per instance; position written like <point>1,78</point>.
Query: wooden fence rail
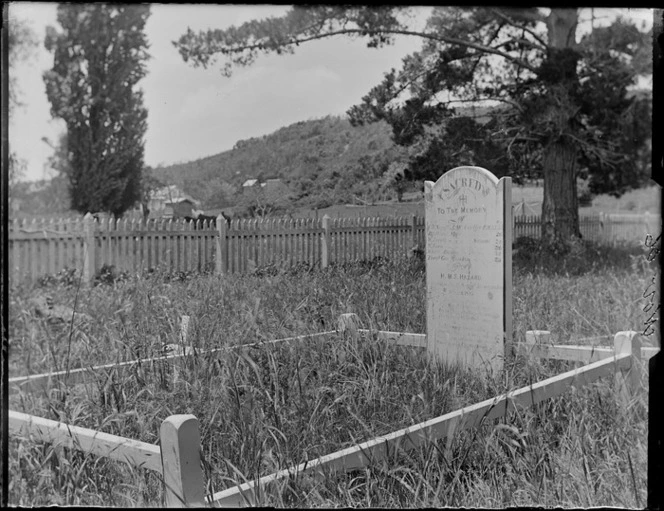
<point>386,446</point>
<point>178,458</point>
<point>624,364</point>
<point>39,248</point>
<point>173,458</point>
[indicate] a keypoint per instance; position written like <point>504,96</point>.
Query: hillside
<point>323,161</point>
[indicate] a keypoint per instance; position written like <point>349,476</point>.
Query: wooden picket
<point>42,247</point>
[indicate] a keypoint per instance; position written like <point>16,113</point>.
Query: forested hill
<point>323,161</point>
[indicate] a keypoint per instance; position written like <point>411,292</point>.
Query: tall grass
<point>269,407</point>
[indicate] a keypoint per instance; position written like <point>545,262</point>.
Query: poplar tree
<point>99,57</point>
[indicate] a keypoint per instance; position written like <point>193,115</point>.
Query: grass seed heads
<point>272,406</point>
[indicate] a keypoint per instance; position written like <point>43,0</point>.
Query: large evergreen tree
<point>99,58</point>
<point>564,104</point>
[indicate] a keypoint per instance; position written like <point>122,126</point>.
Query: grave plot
<point>484,348</point>
<point>337,396</point>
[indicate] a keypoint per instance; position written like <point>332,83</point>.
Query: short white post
<point>181,461</point>
<point>220,256</point>
<point>89,248</point>
<point>184,330</point>
<point>535,337</point>
<point>349,323</point>
<point>183,347</point>
<point>538,337</point>
<point>325,243</point>
<point>628,381</point>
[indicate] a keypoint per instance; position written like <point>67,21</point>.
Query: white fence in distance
<point>45,247</point>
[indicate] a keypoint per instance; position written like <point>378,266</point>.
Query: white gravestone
<point>469,267</point>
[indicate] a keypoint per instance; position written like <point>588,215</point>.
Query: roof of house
<point>250,182</point>
<point>172,194</point>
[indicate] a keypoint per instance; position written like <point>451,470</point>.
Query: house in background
<point>171,202</point>
<point>273,188</point>
<point>250,184</point>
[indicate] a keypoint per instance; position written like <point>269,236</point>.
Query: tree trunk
<point>560,211</point>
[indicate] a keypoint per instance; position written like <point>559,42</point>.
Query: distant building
<point>171,202</point>
<point>180,208</point>
<point>249,183</point>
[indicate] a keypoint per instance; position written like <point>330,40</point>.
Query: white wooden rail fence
<point>40,248</point>
<point>178,455</point>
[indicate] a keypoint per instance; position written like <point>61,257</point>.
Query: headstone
<point>469,267</point>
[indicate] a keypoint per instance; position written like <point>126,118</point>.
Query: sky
<point>196,112</point>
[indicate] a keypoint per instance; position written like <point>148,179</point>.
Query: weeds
<point>269,407</point>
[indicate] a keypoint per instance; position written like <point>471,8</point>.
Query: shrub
<point>66,277</point>
<point>572,258</point>
<point>108,275</point>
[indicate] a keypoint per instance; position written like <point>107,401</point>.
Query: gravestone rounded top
<point>474,180</point>
<point>469,170</point>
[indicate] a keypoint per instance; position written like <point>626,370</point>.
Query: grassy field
<point>635,201</point>
<point>279,405</point>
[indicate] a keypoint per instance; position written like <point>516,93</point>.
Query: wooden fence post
<point>184,330</point>
<point>182,347</point>
<point>89,248</point>
<point>349,323</point>
<point>538,337</point>
<point>535,337</point>
<point>628,381</point>
<point>181,461</point>
<point>325,243</point>
<point>413,226</point>
<point>220,256</point>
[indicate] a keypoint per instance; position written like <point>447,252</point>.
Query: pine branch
<point>507,19</point>
<point>300,39</point>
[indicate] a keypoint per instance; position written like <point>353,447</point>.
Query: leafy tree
<point>99,57</point>
<point>255,202</point>
<point>526,60</point>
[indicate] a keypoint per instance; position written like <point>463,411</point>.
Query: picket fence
<point>610,228</point>
<point>39,248</point>
<point>44,247</point>
<point>177,457</point>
